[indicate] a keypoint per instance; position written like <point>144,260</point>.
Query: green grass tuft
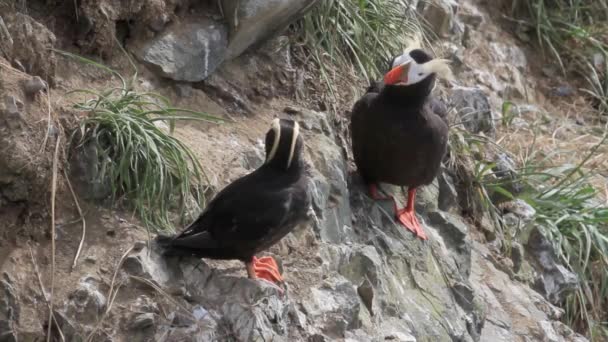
<point>359,35</point>
<point>147,167</point>
<point>572,32</point>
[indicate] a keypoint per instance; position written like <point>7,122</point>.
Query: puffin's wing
<point>251,215</point>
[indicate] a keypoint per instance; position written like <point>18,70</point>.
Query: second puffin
<point>255,211</point>
<point>396,138</point>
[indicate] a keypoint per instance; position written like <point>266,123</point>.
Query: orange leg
<point>374,194</point>
<point>265,268</point>
<point>407,215</point>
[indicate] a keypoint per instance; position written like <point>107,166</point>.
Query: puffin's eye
<point>420,74</point>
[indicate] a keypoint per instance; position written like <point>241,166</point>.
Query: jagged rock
<point>555,281</point>
<point>473,107</point>
<point>439,14</point>
<point>9,309</point>
<point>470,15</point>
<point>187,51</point>
<point>519,208</point>
<point>34,85</point>
<point>142,321</point>
<point>509,53</point>
<point>454,233</point>
<point>364,264</point>
<point>333,307</point>
<point>448,196</point>
<point>253,21</point>
<point>31,44</point>
<point>12,112</point>
<point>366,292</point>
<point>517,256</point>
<point>86,169</point>
<point>86,303</point>
<point>506,172</point>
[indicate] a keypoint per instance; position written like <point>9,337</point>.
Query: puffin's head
<point>284,144</point>
<point>415,66</point>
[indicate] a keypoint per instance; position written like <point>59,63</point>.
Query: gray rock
<point>12,112</point>
<point>448,196</point>
<point>7,329</point>
<point>9,300</point>
<point>34,85</point>
<point>517,256</point>
<point>364,264</point>
<point>253,21</point>
<point>555,282</point>
<point>86,303</point>
<point>366,292</point>
<point>439,15</point>
<point>333,307</point>
<point>509,54</point>
<point>142,321</point>
<point>473,107</point>
<point>86,168</point>
<point>470,15</point>
<point>9,310</point>
<point>187,51</point>
<point>506,172</point>
<point>520,208</point>
<point>455,236</point>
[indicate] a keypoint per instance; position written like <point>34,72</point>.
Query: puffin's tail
<point>166,246</point>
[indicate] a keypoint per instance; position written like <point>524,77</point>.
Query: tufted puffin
<point>255,211</point>
<point>396,137</point>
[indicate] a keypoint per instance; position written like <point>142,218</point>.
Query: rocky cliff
<point>352,274</point>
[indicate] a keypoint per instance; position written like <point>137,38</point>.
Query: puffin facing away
<point>255,211</point>
<point>396,138</point>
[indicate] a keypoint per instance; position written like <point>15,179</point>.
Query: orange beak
<point>397,75</point>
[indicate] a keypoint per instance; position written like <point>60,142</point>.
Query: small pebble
<point>563,91</point>
<point>142,321</point>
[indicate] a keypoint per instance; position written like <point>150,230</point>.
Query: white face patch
<point>276,128</point>
<point>416,73</point>
<point>294,140</point>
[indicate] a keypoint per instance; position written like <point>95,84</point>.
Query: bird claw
<point>410,221</point>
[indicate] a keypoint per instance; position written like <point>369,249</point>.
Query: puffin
<point>255,211</point>
<point>397,137</point>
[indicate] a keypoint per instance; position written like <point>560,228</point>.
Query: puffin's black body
<point>397,137</point>
<point>254,212</point>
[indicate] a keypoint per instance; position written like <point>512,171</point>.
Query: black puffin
<point>396,137</point>
<point>255,211</point>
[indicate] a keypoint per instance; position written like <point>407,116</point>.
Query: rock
<point>448,196</point>
<point>364,264</point>
<point>554,280</point>
<point>520,208</point>
<point>506,172</point>
<point>12,112</point>
<point>473,107</point>
<point>31,44</point>
<point>149,265</point>
<point>34,85</point>
<point>86,170</point>
<point>187,51</point>
<point>366,292</point>
<point>517,256</point>
<point>564,90</point>
<point>510,54</point>
<point>253,21</point>
<point>7,331</point>
<point>142,321</point>
<point>549,333</point>
<point>470,15</point>
<point>333,307</point>
<point>439,15</point>
<point>9,309</point>
<point>454,233</point>
<point>184,90</point>
<point>86,303</point>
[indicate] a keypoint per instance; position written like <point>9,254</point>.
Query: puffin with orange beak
<point>396,137</point>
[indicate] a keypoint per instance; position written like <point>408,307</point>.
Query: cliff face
<point>352,274</point>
